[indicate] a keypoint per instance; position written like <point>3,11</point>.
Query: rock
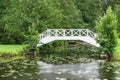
<point>103,56</point>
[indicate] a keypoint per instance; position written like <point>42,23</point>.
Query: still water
<point>38,70</point>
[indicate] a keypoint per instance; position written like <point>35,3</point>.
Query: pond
<point>26,69</point>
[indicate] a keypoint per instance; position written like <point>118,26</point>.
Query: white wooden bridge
<point>67,34</point>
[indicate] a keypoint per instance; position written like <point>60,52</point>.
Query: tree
<point>106,28</point>
<point>71,16</point>
<point>117,11</point>
<point>22,14</point>
<point>90,10</point>
<point>4,4</point>
<point>32,36</point>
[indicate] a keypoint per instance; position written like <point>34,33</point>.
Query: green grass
<point>11,52</point>
<point>11,49</point>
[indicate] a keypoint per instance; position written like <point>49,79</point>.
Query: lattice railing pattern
<point>67,33</point>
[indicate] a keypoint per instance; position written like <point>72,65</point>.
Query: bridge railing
<point>67,32</point>
<point>43,34</point>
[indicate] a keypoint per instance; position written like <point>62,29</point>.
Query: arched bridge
<point>67,34</point>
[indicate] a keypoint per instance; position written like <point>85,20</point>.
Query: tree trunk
<point>110,56</point>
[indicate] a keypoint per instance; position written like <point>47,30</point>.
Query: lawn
<point>11,52</point>
<point>11,49</point>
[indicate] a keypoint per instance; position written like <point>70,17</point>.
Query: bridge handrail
<point>67,32</point>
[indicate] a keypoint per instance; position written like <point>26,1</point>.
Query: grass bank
<point>11,52</point>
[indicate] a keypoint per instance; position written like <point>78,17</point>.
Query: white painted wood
<point>68,34</point>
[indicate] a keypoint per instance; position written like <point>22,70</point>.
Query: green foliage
<point>113,3</point>
<point>17,16</point>
<point>22,14</point>
<point>116,56</point>
<point>4,4</point>
<point>117,10</point>
<point>90,10</point>
<point>32,37</point>
<point>106,27</point>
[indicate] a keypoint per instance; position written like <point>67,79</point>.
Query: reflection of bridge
<point>67,34</point>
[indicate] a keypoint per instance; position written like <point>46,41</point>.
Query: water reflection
<point>19,70</point>
<point>80,71</point>
<point>29,70</point>
<point>108,71</point>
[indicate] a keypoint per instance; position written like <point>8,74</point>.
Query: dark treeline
<point>22,20</point>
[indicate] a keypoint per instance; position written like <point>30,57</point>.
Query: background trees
<point>22,14</point>
<point>117,11</point>
<point>18,16</point>
<point>91,10</point>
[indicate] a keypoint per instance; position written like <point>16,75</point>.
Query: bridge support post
<point>63,32</point>
<point>48,32</point>
<point>56,32</point>
<point>71,33</point>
